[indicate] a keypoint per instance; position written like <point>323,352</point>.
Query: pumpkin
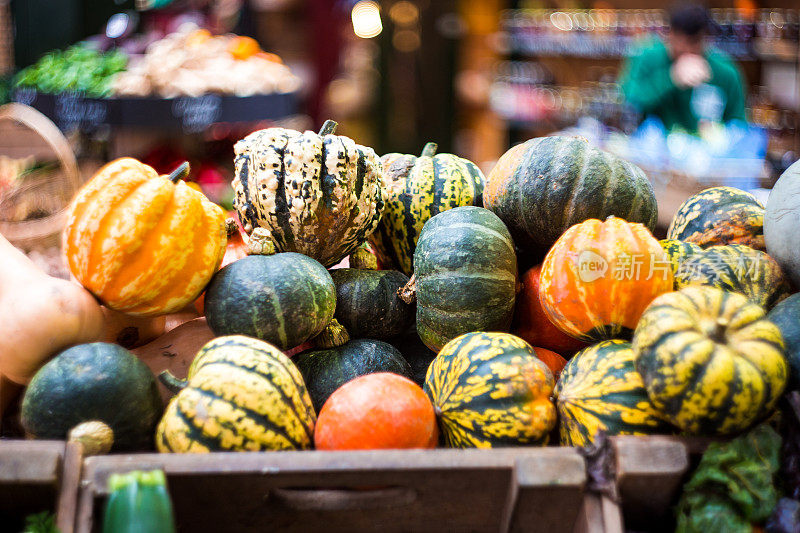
<point>420,188</point>
<point>326,370</point>
<point>284,299</point>
<point>465,275</point>
<point>376,411</point>
<point>781,220</point>
<point>144,244</point>
<point>41,315</point>
<point>241,394</point>
<point>709,361</point>
<point>531,322</point>
<point>554,361</point>
<point>678,252</point>
<point>600,390</point>
<point>599,277</point>
<point>546,185</point>
<point>736,268</point>
<point>418,355</point>
<point>490,390</point>
<point>786,315</point>
<point>367,304</point>
<point>718,216</point>
<point>97,381</point>
<point>236,249</point>
<point>317,194</point>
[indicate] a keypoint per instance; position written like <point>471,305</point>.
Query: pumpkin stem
<point>363,258</point>
<point>437,411</point>
<point>409,293</point>
<point>94,436</point>
<point>720,328</point>
<point>180,173</point>
<point>260,243</point>
<point>172,383</point>
<point>328,128</point>
<point>429,150</point>
<point>230,227</point>
<point>333,336</point>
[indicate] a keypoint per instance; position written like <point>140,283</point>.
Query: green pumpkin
<point>546,185</point>
<point>678,252</point>
<point>719,216</point>
<point>324,371</point>
<point>284,299</point>
<point>320,195</point>
<point>419,188</point>
<point>465,270</point>
<point>600,390</point>
<point>736,268</point>
<point>711,363</point>
<point>97,381</point>
<point>367,304</point>
<point>242,394</point>
<point>490,390</point>
<point>786,315</point>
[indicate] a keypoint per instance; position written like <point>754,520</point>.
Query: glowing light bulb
<point>366,17</point>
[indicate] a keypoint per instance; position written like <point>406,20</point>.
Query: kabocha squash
<point>144,244</point>
<point>490,390</point>
<point>600,390</point>
<point>600,276</point>
<point>284,299</point>
<point>678,252</point>
<point>377,411</point>
<point>736,268</point>
<point>326,370</point>
<point>97,381</point>
<point>465,275</point>
<point>781,220</point>
<point>718,216</point>
<point>41,315</point>
<point>367,304</point>
<point>241,394</point>
<point>786,315</point>
<point>420,188</point>
<point>709,361</point>
<point>546,185</point>
<point>317,194</point>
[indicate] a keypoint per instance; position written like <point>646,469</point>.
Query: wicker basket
<point>45,193</point>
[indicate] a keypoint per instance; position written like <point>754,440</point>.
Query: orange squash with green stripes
<point>143,244</point>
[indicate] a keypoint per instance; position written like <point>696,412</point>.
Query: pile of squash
<point>528,307</point>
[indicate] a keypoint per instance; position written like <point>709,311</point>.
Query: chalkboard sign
<point>197,114</point>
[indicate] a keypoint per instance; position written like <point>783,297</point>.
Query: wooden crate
<point>38,476</point>
<point>513,489</point>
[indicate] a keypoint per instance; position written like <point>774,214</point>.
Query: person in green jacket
<point>682,80</point>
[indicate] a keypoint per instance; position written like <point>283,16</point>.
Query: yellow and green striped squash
<point>600,390</point>
<point>710,361</point>
<point>490,390</point>
<point>678,252</point>
<point>736,268</point>
<point>242,394</point>
<point>419,188</point>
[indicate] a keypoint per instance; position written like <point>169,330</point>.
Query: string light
<point>366,17</point>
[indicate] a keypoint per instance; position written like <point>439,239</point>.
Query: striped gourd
<point>144,244</point>
<point>465,269</point>
<point>419,188</point>
<point>709,360</point>
<point>599,390</point>
<point>736,268</point>
<point>490,390</point>
<point>317,194</point>
<point>720,215</point>
<point>241,394</point>
<point>678,252</point>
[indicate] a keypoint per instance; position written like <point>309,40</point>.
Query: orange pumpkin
<point>143,244</point>
<point>599,277</point>
<point>531,322</point>
<point>554,362</point>
<point>376,411</point>
<point>236,249</point>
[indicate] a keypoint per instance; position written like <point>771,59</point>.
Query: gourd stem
<point>230,227</point>
<point>333,336</point>
<point>328,127</point>
<point>409,293</point>
<point>180,173</point>
<point>172,383</point>
<point>720,328</point>
<point>437,411</point>
<point>429,150</point>
<point>363,259</point>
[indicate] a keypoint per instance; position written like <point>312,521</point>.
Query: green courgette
<point>138,503</point>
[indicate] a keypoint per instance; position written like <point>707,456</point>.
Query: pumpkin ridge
<point>576,188</point>
<point>438,185</point>
<point>195,433</point>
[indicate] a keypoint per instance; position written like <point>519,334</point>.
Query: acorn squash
<point>678,252</point>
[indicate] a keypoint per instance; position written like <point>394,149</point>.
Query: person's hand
<point>690,70</point>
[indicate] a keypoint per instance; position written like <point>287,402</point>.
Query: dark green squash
<point>324,371</point>
<point>786,315</point>
<point>678,252</point>
<point>284,299</point>
<point>97,381</point>
<point>367,304</point>
<point>546,185</point>
<point>418,355</point>
<point>465,271</point>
